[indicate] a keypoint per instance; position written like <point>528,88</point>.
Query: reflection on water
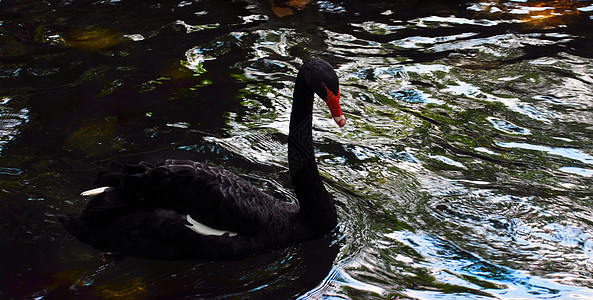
<point>464,170</point>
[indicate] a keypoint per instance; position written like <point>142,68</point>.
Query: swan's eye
<point>329,93</point>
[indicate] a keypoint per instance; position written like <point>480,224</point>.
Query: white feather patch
<point>95,192</point>
<point>206,230</point>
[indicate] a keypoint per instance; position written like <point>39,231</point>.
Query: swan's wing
<point>150,233</point>
<point>225,201</point>
<point>212,196</point>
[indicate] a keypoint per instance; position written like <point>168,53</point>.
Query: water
<point>464,170</point>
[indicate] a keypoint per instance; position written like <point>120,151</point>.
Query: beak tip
<point>340,120</point>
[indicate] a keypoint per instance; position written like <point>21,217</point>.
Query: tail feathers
<point>140,179</point>
<point>107,203</point>
<point>95,192</point>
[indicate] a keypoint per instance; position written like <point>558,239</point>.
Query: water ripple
<point>464,170</point>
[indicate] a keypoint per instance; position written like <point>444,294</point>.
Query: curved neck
<point>315,203</point>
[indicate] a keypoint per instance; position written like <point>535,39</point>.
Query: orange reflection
<point>94,39</point>
<point>537,13</point>
<point>282,8</point>
<point>548,13</point>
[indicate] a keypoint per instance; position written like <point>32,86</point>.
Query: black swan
<point>187,210</point>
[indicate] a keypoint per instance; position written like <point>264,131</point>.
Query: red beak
<point>333,102</point>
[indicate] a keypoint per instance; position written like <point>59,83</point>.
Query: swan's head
<point>322,79</point>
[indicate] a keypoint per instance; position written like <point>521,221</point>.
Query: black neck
<point>315,203</point>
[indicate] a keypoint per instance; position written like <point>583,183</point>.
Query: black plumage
<point>143,211</point>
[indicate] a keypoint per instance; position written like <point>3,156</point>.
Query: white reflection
<point>337,280</point>
<point>458,21</point>
<point>194,28</point>
<point>514,104</point>
<point>427,68</point>
<point>485,150</point>
<point>570,153</point>
<point>451,265</point>
<point>577,171</point>
<point>508,127</point>
<point>417,42</point>
<point>10,121</point>
<point>524,10</point>
<point>134,37</point>
<point>448,161</point>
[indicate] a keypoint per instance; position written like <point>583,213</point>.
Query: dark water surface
<point>464,171</point>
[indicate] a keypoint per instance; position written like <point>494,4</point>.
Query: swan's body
<point>184,209</point>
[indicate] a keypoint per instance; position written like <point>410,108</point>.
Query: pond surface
<point>464,170</point>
